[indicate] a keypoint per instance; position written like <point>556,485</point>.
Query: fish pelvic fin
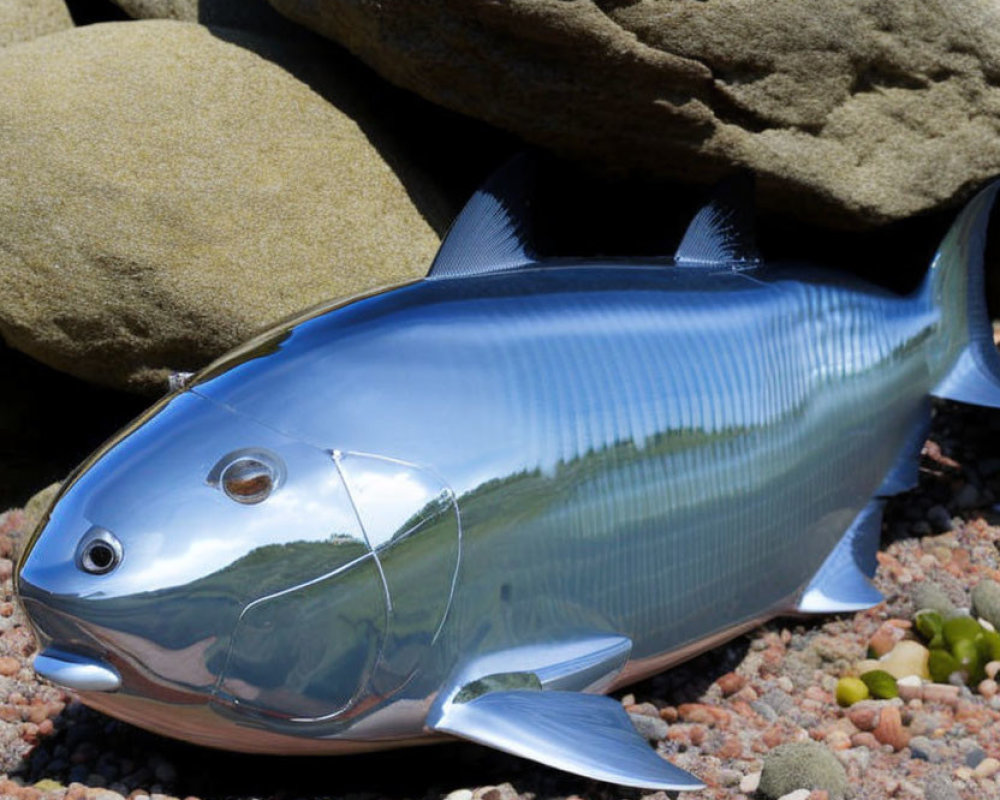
<point>587,734</point>
<point>538,702</point>
<point>965,356</point>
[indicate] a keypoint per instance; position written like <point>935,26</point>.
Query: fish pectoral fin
<point>843,583</point>
<point>586,734</point>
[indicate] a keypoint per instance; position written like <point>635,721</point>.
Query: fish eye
<point>99,551</point>
<point>248,477</point>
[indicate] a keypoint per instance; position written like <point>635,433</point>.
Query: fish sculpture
<point>473,504</point>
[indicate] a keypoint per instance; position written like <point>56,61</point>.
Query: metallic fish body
<point>499,490</point>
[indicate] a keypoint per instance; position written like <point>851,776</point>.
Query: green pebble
<point>881,684</point>
<point>989,646</point>
<point>958,629</point>
<point>966,652</point>
<point>929,625</point>
<point>941,664</point>
<point>850,691</point>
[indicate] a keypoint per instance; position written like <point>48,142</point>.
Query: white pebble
<point>750,783</point>
<point>992,668</point>
<point>459,794</point>
<point>986,624</point>
<point>986,768</point>
<point>785,684</point>
<point>910,687</point>
<point>798,794</point>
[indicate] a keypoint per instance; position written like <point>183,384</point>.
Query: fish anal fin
<point>843,583</point>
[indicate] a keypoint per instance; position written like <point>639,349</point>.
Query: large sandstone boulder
<point>247,14</point>
<point>185,10</point>
<point>164,194</point>
<point>21,20</point>
<point>852,113</point>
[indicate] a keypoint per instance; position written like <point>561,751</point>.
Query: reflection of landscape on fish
<point>208,608</point>
<point>305,652</point>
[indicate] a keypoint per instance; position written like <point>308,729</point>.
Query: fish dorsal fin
<point>722,232</point>
<point>491,232</point>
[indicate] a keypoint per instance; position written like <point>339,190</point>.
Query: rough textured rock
<point>186,10</point>
<point>986,601</point>
<point>802,765</point>
<point>247,14</point>
<point>165,194</point>
<point>851,113</point>
<point>21,20</point>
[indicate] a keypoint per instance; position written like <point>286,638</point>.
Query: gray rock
<point>858,757</point>
<point>967,497</point>
<point>927,749</point>
<point>780,702</point>
<point>765,710</point>
<point>940,787</point>
<point>928,594</point>
<point>986,601</point>
<point>939,518</point>
<point>653,728</point>
<point>730,777</point>
<point>800,665</point>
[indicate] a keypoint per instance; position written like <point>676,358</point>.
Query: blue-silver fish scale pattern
<point>696,444</point>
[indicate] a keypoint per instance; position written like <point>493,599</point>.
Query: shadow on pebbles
<point>717,716</point>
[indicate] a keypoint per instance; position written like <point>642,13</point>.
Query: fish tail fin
<point>964,358</point>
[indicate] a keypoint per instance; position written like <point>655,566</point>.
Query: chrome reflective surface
<point>569,472</point>
<point>76,672</point>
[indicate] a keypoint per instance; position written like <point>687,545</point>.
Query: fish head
<point>188,561</point>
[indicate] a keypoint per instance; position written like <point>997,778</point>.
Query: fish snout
<point>67,656</point>
<point>75,671</point>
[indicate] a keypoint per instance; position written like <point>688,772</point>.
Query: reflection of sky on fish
<point>314,510</point>
<point>387,494</point>
<point>152,491</point>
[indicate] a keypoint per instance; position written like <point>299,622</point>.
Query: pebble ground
<point>717,716</point>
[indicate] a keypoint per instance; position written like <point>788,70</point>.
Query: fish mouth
<point>75,671</point>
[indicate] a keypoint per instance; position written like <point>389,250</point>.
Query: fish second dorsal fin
<point>491,232</point>
<point>722,232</point>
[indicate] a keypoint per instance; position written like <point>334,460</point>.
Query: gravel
<point>719,715</point>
